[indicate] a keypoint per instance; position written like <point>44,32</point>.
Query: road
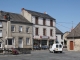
<point>43,55</point>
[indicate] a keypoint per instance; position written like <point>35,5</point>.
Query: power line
<point>66,22</point>
<point>63,26</point>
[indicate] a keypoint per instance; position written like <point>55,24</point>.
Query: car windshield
<point>60,46</point>
<point>56,46</point>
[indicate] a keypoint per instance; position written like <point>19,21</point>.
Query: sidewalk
<point>64,49</point>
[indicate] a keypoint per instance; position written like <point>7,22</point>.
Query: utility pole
<point>72,24</point>
<point>73,31</point>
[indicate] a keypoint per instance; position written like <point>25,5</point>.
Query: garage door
<point>71,45</point>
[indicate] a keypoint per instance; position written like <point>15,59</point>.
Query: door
<point>20,43</point>
<point>13,41</point>
<point>71,45</point>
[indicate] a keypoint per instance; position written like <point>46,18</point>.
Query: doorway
<point>20,43</point>
<point>71,45</point>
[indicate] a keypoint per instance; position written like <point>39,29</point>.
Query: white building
<point>59,36</point>
<point>44,32</point>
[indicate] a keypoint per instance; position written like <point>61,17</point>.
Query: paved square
<point>43,55</point>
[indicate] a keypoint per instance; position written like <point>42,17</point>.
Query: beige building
<point>73,43</point>
<point>15,31</point>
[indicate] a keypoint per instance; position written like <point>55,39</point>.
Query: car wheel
<point>54,51</point>
<point>60,51</point>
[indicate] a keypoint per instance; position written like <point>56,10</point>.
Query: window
<point>20,28</point>
<point>27,29</point>
<point>44,32</point>
<point>51,32</point>
<point>51,22</point>
<point>9,41</point>
<point>0,24</point>
<point>44,21</point>
<point>12,28</point>
<point>20,41</point>
<point>36,31</point>
<point>0,33</point>
<point>0,44</point>
<point>27,41</point>
<point>36,20</point>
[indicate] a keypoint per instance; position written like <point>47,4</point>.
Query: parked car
<point>44,47</point>
<point>36,47</point>
<point>56,48</point>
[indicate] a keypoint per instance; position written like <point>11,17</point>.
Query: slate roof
<point>75,32</point>
<point>38,14</point>
<point>14,17</point>
<point>58,31</point>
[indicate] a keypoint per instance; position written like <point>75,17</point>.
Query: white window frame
<point>27,29</point>
<point>27,41</point>
<point>20,28</point>
<point>13,28</point>
<point>1,33</point>
<point>0,24</point>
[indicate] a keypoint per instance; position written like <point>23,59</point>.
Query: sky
<point>66,12</point>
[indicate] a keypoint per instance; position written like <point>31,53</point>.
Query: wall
<point>4,33</point>
<point>59,38</point>
<point>26,15</point>
<point>77,45</point>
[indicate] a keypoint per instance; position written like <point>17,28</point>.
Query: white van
<point>56,48</point>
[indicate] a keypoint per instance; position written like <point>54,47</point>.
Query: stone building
<point>73,43</point>
<point>15,31</point>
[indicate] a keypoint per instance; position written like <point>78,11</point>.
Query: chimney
<point>45,12</point>
<point>72,29</point>
<point>22,9</point>
<point>5,16</point>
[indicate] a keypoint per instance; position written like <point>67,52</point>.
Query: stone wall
<point>76,44</point>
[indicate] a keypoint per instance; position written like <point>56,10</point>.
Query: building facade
<point>59,36</point>
<point>65,39</point>
<point>15,31</point>
<point>44,32</point>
